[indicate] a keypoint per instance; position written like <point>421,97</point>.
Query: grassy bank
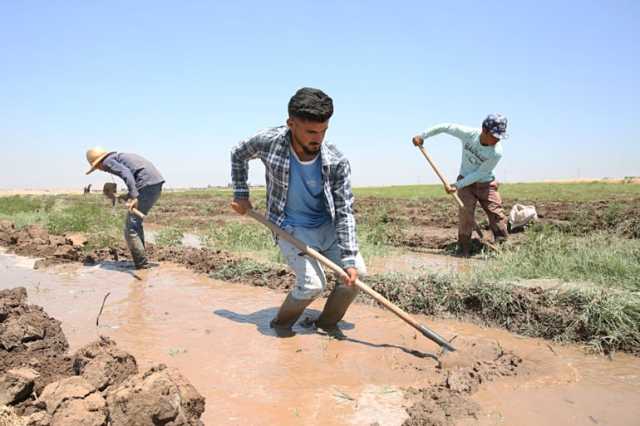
<point>64,214</point>
<point>600,258</point>
<point>602,319</point>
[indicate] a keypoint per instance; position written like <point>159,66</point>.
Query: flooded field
<point>217,335</point>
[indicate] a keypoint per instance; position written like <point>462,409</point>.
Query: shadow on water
<point>262,318</point>
<point>120,266</point>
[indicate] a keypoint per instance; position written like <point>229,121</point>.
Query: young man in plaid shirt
<point>308,195</point>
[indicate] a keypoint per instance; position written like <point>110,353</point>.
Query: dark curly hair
<point>311,104</point>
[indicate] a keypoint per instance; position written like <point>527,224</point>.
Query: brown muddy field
<point>422,224</point>
<point>425,224</point>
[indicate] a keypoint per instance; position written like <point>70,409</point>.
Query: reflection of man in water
<point>481,151</point>
<point>308,195</point>
<point>144,183</point>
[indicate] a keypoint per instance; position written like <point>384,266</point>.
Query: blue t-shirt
<point>305,198</point>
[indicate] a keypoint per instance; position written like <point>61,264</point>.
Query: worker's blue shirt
<point>306,206</point>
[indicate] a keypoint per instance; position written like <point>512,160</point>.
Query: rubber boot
<point>288,314</point>
<point>336,307</point>
<point>500,234</point>
<point>464,245</point>
<point>136,247</point>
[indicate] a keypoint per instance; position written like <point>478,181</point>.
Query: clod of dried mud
<point>103,364</point>
<point>99,385</point>
<point>161,394</point>
<point>8,417</point>
<point>475,362</point>
<point>31,338</point>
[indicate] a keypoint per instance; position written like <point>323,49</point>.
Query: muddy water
<point>566,388</point>
<point>217,334</point>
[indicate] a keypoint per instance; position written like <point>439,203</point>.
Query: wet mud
<point>217,336</point>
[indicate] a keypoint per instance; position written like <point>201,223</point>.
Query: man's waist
<point>481,181</point>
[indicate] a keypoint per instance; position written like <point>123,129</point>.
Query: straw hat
<point>95,156</point>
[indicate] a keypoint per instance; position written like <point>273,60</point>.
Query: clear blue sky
<point>182,82</point>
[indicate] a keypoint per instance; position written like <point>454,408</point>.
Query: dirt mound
<point>35,241</point>
<point>31,338</point>
<point>159,396</point>
<point>73,401</point>
<point>417,237</point>
<point>98,385</point>
<point>8,417</point>
<point>475,362</point>
<point>200,260</point>
<point>103,364</point>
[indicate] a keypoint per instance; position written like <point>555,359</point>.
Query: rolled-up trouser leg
<point>310,278</point>
<point>342,295</point>
<point>466,219</point>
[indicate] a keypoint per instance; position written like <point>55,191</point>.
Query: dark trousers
<point>133,229</point>
<point>485,193</point>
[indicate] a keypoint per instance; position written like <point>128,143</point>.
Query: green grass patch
<point>10,206</point>
<point>22,219</point>
<point>103,225</point>
<point>241,268</point>
<point>63,214</point>
<point>587,191</point>
<point>79,217</point>
<point>26,210</point>
<point>240,237</point>
<point>599,258</point>
<point>169,237</point>
<point>409,192</point>
<point>377,233</point>
<point>169,196</point>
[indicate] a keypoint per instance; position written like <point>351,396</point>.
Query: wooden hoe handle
<point>455,195</point>
<point>138,213</point>
<point>337,269</point>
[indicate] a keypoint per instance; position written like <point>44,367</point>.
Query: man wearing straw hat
<point>144,183</point>
<point>308,195</point>
<point>476,183</point>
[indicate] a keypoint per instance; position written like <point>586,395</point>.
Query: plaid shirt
<point>272,147</point>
